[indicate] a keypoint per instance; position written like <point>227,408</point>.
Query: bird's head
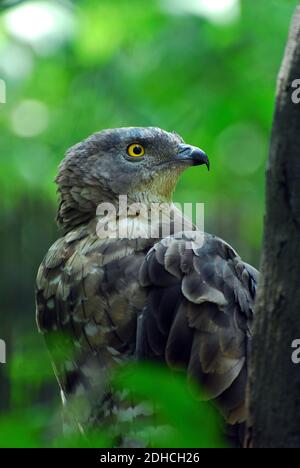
<point>142,163</point>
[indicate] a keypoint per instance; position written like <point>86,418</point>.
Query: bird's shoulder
<point>192,256</point>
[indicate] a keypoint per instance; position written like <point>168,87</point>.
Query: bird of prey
<point>181,299</point>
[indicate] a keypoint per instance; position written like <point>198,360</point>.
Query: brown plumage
<point>116,299</point>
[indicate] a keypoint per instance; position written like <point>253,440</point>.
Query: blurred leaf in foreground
<point>172,416</point>
<point>191,423</point>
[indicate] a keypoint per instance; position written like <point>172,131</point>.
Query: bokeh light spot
<point>29,118</point>
<point>44,25</point>
<point>241,149</point>
<point>216,11</point>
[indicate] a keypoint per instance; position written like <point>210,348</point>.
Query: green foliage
<point>23,430</point>
<point>179,419</point>
<point>192,423</point>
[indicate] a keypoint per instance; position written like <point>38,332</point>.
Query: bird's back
<point>88,297</point>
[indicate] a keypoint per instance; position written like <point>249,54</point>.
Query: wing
<point>88,296</point>
<point>199,314</point>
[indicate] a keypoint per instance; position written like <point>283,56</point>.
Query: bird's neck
<point>79,205</point>
<point>142,214</point>
<point>140,217</point>
<point>148,198</point>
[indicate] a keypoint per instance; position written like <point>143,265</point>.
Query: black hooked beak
<point>192,154</point>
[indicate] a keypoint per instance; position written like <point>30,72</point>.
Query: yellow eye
<point>136,150</point>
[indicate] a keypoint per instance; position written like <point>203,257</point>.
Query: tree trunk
<point>274,384</point>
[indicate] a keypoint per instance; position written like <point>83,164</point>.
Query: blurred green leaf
<point>193,423</point>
